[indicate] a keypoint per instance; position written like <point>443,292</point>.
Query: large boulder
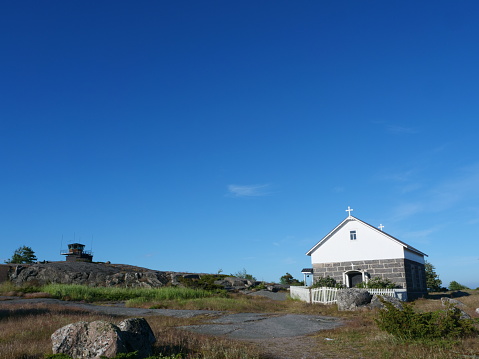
<point>88,340</point>
<point>138,336</point>
<point>100,338</point>
<point>377,302</point>
<point>353,298</point>
<point>236,282</point>
<point>445,301</point>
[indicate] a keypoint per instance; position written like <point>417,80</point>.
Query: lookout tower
<point>77,253</point>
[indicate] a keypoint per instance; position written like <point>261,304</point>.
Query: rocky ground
<point>117,275</point>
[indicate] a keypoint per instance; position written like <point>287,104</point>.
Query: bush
<point>288,279</point>
<point>326,282</point>
<point>408,325</point>
<point>456,286</point>
<point>205,282</point>
<point>377,283</point>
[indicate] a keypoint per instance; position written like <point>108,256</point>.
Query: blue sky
<point>217,135</point>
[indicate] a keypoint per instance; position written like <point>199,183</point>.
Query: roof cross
<point>381,227</point>
<point>349,210</point>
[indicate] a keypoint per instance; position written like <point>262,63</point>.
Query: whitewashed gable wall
<point>369,245</point>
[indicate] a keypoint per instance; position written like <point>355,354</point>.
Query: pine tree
<point>433,282</point>
<point>23,254</point>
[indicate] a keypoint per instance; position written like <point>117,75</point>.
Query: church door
<point>354,278</point>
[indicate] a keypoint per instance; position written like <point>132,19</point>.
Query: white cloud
<point>256,190</point>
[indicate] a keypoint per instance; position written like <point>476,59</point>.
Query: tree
<point>23,254</point>
<point>433,282</point>
<point>288,279</point>
<point>456,286</point>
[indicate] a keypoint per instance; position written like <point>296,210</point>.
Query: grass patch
<point>92,294</point>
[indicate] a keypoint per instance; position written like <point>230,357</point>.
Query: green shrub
<point>326,282</point>
<point>456,286</point>
<point>205,282</point>
<point>288,279</point>
<point>377,283</point>
<point>408,325</point>
<point>260,286</point>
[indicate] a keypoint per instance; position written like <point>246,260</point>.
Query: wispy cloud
<point>256,190</point>
<point>421,234</point>
<point>460,189</point>
<point>406,210</point>
<point>401,130</point>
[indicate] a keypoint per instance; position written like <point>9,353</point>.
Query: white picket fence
<point>326,295</point>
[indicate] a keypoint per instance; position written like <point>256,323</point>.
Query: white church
<point>355,251</point>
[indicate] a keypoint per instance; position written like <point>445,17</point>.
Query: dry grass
<point>25,333</point>
<point>361,338</point>
<point>25,330</point>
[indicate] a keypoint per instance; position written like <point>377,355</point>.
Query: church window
<point>352,235</point>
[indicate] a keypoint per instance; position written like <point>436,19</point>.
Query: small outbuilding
<point>355,251</point>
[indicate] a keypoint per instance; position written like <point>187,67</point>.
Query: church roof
<point>352,218</point>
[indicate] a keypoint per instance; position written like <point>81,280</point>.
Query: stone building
<point>355,252</point>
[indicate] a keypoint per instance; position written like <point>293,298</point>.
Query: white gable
<point>370,243</point>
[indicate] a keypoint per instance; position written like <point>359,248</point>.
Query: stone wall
<point>404,273</point>
<point>415,279</point>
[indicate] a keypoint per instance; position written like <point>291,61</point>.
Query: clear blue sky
<point>217,135</point>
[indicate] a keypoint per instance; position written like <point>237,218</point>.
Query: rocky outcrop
<point>377,302</point>
<point>103,339</point>
<point>455,305</point>
<point>353,298</point>
<point>121,275</point>
<point>92,274</point>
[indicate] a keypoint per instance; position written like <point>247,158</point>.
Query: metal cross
<point>381,227</point>
<point>349,210</point>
